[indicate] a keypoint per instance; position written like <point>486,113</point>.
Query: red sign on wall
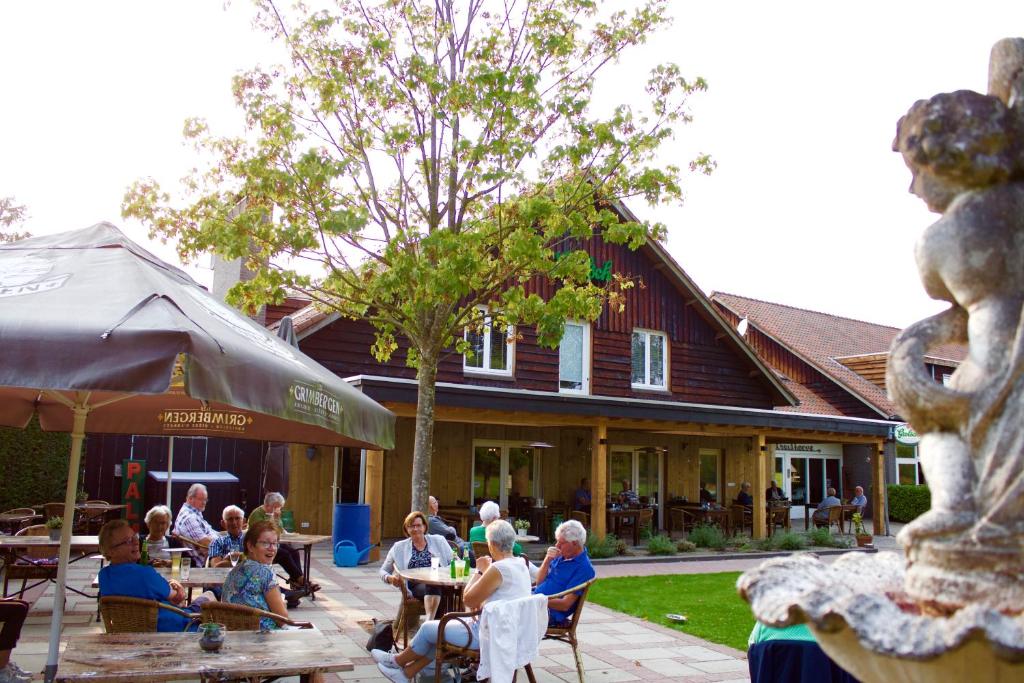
<point>133,482</point>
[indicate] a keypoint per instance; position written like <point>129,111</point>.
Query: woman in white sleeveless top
<point>499,577</point>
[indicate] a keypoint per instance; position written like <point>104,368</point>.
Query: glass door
<point>502,472</point>
<point>486,474</point>
<point>639,468</point>
<point>709,470</point>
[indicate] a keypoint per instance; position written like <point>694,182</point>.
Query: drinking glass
<point>234,556</point>
<point>434,564</point>
<point>461,568</point>
<point>186,568</point>
<point>175,565</point>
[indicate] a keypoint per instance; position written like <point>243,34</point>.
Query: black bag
<point>382,638</point>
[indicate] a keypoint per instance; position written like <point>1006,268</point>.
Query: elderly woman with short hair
<point>490,512</point>
<point>158,521</point>
<point>287,556</point>
<point>498,577</point>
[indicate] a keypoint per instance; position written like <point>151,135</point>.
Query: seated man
<point>436,525</point>
<point>859,499</point>
<point>565,565</point>
<point>820,515</point>
<point>12,618</point>
<point>233,521</point>
<point>744,497</point>
<point>581,498</point>
<point>706,497</point>
<point>125,576</point>
<point>628,496</point>
<point>191,525</point>
<point>774,493</point>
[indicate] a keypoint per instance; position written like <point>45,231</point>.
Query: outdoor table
<point>527,538</point>
<point>84,545</point>
<point>307,541</point>
<point>451,589</point>
<point>16,520</point>
<point>152,657</point>
<point>846,516</point>
<point>616,519</point>
<point>461,516</point>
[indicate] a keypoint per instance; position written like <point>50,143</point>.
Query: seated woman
<point>490,512</point>
<point>252,581</point>
<point>158,521</point>
<point>287,556</point>
<point>125,576</point>
<point>413,552</point>
<point>498,577</point>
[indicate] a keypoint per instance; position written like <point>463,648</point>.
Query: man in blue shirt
<point>565,565</point>
<point>233,519</point>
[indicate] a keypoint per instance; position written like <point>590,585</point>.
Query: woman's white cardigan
<point>401,553</point>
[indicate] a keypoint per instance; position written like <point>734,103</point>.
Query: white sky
<point>808,205</point>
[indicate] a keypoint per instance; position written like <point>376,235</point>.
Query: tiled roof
<point>820,338</point>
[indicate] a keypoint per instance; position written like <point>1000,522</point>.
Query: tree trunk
<point>423,449</point>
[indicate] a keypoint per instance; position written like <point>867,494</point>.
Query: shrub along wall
<point>907,502</point>
<point>33,466</point>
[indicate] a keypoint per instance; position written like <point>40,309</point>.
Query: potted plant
<point>54,525</point>
<point>212,637</point>
<point>863,538</point>
<point>522,526</point>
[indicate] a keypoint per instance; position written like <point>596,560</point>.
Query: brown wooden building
<point>665,394</point>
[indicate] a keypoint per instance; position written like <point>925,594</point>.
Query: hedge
<point>907,502</point>
<point>33,466</point>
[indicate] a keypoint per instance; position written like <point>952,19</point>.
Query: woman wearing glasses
<point>125,576</point>
<point>252,581</point>
<point>413,552</point>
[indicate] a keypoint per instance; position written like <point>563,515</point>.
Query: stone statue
<point>953,610</point>
<point>966,152</point>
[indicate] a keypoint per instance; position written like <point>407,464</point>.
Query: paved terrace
<point>616,647</point>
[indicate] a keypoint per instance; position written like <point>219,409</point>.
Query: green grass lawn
<point>715,612</point>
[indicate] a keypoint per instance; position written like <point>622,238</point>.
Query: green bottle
<point>144,553</point>
<point>451,566</point>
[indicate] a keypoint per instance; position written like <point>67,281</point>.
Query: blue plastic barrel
<point>352,523</point>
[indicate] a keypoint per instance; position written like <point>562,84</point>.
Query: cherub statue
<point>966,151</point>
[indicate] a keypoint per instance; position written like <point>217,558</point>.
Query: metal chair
<point>122,614</point>
<point>567,632</point>
<point>35,564</point>
<point>242,617</point>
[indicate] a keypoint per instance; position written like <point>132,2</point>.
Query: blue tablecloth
<point>793,661</point>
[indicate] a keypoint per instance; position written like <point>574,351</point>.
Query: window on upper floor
<point>648,359</point>
<point>493,349</point>
<point>574,359</point>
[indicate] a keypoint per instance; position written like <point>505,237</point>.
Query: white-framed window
<point>650,351</point>
<point>493,350</point>
<point>574,359</point>
<point>908,467</point>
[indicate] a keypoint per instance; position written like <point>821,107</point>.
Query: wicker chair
<point>480,549</point>
<point>122,614</point>
<point>198,550</point>
<point>456,654</point>
<point>28,512</point>
<point>243,617</point>
<point>409,611</point>
<point>567,634</point>
<point>90,519</point>
<point>53,510</point>
<point>741,518</point>
<point>35,564</point>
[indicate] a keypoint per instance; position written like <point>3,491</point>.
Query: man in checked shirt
<point>191,525</point>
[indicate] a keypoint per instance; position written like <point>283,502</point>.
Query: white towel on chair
<point>510,635</point>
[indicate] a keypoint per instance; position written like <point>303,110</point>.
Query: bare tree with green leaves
<point>418,162</point>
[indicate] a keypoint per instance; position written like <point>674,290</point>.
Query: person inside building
<point>744,497</point>
<point>125,576</point>
<point>498,577</point>
<point>628,497</point>
<point>859,499</point>
<point>12,618</point>
<point>820,515</point>
<point>706,497</point>
<point>287,556</point>
<point>566,564</point>
<point>158,521</point>
<point>581,498</point>
<point>416,551</point>
<point>191,525</point>
<point>489,512</point>
<point>436,525</point>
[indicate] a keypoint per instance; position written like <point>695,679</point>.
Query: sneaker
<point>394,674</point>
<point>382,657</point>
<point>12,673</point>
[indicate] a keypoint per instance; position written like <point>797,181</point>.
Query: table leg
<point>307,550</point>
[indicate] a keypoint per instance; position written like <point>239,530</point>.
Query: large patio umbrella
<point>99,335</point>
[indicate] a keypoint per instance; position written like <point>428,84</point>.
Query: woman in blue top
<point>125,576</point>
<point>252,581</point>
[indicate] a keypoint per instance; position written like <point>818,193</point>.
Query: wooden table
<point>83,545</point>
<point>617,517</point>
<point>152,657</point>
<point>307,541</point>
<point>461,516</point>
<point>451,589</point>
<point>16,520</point>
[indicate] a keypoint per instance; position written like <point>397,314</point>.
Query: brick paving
<point>616,647</point>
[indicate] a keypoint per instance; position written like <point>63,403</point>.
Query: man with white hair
<point>191,525</point>
<point>233,521</point>
<point>489,512</point>
<point>565,565</point>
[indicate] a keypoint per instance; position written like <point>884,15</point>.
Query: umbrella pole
<point>81,411</point>
<point>170,468</point>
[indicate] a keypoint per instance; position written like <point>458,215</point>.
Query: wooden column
<point>374,487</point>
<point>878,488</point>
<point>760,482</point>
<point>599,480</point>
